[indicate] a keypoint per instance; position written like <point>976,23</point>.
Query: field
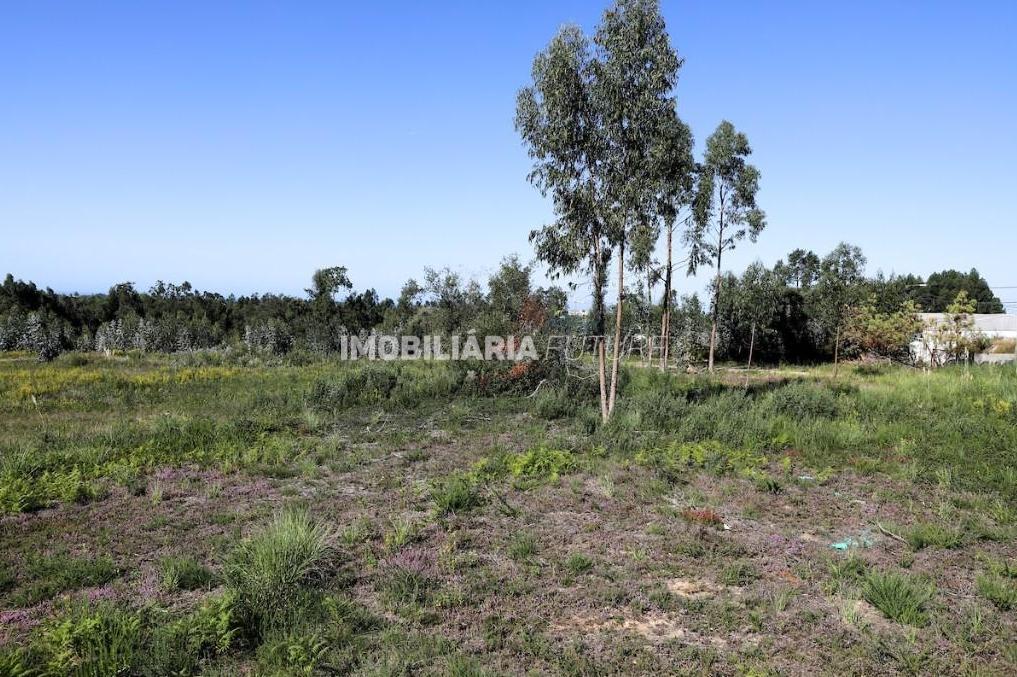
<point>196,515</point>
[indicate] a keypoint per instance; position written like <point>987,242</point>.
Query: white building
<point>992,326</point>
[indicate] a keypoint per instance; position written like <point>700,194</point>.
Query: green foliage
<point>542,463</point>
<point>184,573</point>
<point>1000,590</point>
<point>455,494</point>
<point>46,575</point>
<point>804,400</point>
<point>676,459</point>
<point>270,572</point>
<point>899,597</point>
<point>578,563</point>
<point>925,534</point>
<point>182,646</point>
<point>523,546</point>
<point>89,641</point>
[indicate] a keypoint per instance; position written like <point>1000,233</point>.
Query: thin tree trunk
<point>836,351</point>
<point>716,312</point>
<point>716,291</point>
<point>752,344</point>
<point>665,317</point>
<point>598,326</point>
<point>617,328</point>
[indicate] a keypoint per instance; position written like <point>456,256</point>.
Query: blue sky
<point>241,146</point>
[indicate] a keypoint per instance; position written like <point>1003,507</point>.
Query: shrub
<point>181,646</point>
<point>184,573</point>
<point>457,493</point>
<point>804,400</point>
<point>89,641</point>
<point>578,563</point>
<point>555,403</point>
<point>269,572</point>
<point>899,597</point>
<point>674,460</point>
<point>542,462</point>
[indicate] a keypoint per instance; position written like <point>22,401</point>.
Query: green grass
<point>899,597</point>
<point>439,505</point>
<point>1000,590</point>
<point>184,573</point>
<point>270,572</point>
<point>46,575</point>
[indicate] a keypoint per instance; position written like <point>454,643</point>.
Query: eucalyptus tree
<point>560,124</point>
<point>840,285</point>
<point>725,208</point>
<point>675,171</point>
<point>758,298</point>
<point>634,74</point>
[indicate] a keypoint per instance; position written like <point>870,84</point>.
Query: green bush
<point>270,572</point>
<point>542,463</point>
<point>88,641</point>
<point>182,646</point>
<point>677,458</point>
<point>804,400</point>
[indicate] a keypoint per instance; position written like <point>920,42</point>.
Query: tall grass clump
<point>899,597</point>
<point>272,573</point>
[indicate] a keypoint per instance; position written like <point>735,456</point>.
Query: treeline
<point>172,318</point>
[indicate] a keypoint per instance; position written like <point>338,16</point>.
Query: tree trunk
<point>599,326</point>
<point>665,317</point>
<point>716,313</point>
<point>617,328</point>
<point>836,351</point>
<point>752,344</point>
<point>716,291</point>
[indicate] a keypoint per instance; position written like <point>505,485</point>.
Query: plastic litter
<point>806,478</point>
<point>863,540</point>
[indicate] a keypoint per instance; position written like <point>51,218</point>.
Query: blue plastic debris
<point>863,540</point>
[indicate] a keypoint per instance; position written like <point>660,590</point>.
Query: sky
<point>240,146</point>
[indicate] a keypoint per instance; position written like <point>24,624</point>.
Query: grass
<point>46,575</point>
<point>459,532</point>
<point>184,573</point>
<point>899,597</point>
<point>269,571</point>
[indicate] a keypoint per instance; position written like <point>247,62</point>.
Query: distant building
<point>994,327</point>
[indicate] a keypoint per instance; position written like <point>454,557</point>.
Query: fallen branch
<point>889,533</point>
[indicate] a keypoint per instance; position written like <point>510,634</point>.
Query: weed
<point>739,573</point>
<point>89,640</point>
<point>926,534</point>
<point>900,598</point>
<point>268,572</point>
<point>578,563</point>
<point>523,546</point>
<point>455,494</point>
<point>184,573</point>
<point>999,590</point>
<point>47,575</point>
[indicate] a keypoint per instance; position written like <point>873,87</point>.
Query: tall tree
<point>840,286</point>
<point>758,299</point>
<point>675,171</point>
<point>725,208</point>
<point>633,78</point>
<point>560,126</point>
